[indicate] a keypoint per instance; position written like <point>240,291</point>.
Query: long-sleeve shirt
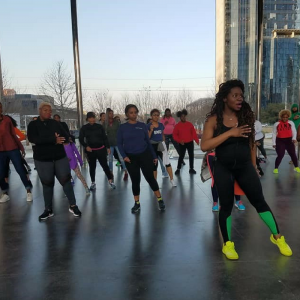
<point>284,130</point>
<point>43,135</point>
<point>8,139</point>
<point>93,136</point>
<point>258,130</point>
<point>169,127</point>
<point>112,132</point>
<point>134,139</point>
<point>185,131</point>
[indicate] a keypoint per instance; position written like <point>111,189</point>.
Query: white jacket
<point>294,131</point>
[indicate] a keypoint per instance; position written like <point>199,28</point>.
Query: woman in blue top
<point>156,135</point>
<point>138,154</point>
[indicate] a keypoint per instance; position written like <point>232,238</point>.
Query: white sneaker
<point>173,183</point>
<point>29,197</point>
<point>112,185</point>
<point>93,186</point>
<point>4,198</point>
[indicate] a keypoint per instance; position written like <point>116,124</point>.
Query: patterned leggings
<point>80,176</point>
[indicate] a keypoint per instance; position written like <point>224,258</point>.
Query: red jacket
<point>185,131</point>
<point>8,139</point>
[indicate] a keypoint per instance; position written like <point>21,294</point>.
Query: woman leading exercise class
<point>229,129</point>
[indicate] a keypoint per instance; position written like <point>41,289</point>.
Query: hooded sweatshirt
<point>294,114</point>
<point>284,130</point>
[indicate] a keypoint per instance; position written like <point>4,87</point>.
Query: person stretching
<point>185,134</point>
<point>284,138</point>
<point>93,138</point>
<point>10,149</point>
<point>229,129</point>
<point>138,154</point>
<point>50,159</point>
<point>111,128</point>
<point>156,136</point>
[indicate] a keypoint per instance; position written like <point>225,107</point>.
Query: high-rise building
<point>236,47</point>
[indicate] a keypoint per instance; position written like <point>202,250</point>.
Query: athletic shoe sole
<point>45,218</point>
<point>71,211</point>
<point>241,209</point>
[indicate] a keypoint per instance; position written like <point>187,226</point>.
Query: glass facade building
<point>236,47</point>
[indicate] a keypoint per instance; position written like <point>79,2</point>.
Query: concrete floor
<point>111,254</point>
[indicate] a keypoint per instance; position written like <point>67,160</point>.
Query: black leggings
<point>247,178</point>
<point>101,156</point>
<point>261,147</point>
<point>190,148</point>
<point>159,154</point>
<point>169,138</point>
<point>138,162</point>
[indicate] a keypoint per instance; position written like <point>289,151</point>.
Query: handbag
<point>205,173</point>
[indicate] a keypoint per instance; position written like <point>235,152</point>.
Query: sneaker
<point>29,197</point>
<point>112,185</point>
<point>177,172</point>
<point>165,175</point>
<point>275,171</point>
<point>215,207</point>
<point>229,251</point>
<point>161,205</point>
<point>135,208</point>
<point>87,191</point>
<point>93,186</point>
<point>260,171</point>
<point>48,213</point>
<point>284,248</point>
<point>192,171</point>
<point>125,178</point>
<point>173,183</point>
<point>297,170</point>
<point>75,211</point>
<point>239,205</point>
<point>118,164</point>
<point>4,198</point>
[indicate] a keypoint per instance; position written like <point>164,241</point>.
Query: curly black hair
<point>245,115</point>
<point>181,112</point>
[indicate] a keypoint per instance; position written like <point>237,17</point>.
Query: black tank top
<point>235,150</point>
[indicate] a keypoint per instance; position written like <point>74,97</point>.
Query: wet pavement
<point>110,253</point>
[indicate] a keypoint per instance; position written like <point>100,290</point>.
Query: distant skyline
<point>124,45</point>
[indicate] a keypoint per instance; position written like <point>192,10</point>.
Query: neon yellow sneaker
<point>297,170</point>
<point>275,171</point>
<point>229,251</point>
<point>284,248</point>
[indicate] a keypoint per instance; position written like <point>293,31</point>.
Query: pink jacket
<point>169,127</point>
<point>73,156</point>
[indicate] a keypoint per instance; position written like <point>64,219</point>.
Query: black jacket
<point>93,136</point>
<point>42,135</point>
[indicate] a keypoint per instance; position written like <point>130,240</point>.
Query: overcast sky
<point>124,45</point>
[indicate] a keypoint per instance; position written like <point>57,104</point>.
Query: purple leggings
<point>283,144</point>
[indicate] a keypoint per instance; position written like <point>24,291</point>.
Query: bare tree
<point>164,100</point>
<point>100,101</point>
<point>183,98</point>
<point>58,83</point>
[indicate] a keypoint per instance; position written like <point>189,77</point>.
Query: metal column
<point>1,83</point>
<point>77,67</point>
<point>260,38</point>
